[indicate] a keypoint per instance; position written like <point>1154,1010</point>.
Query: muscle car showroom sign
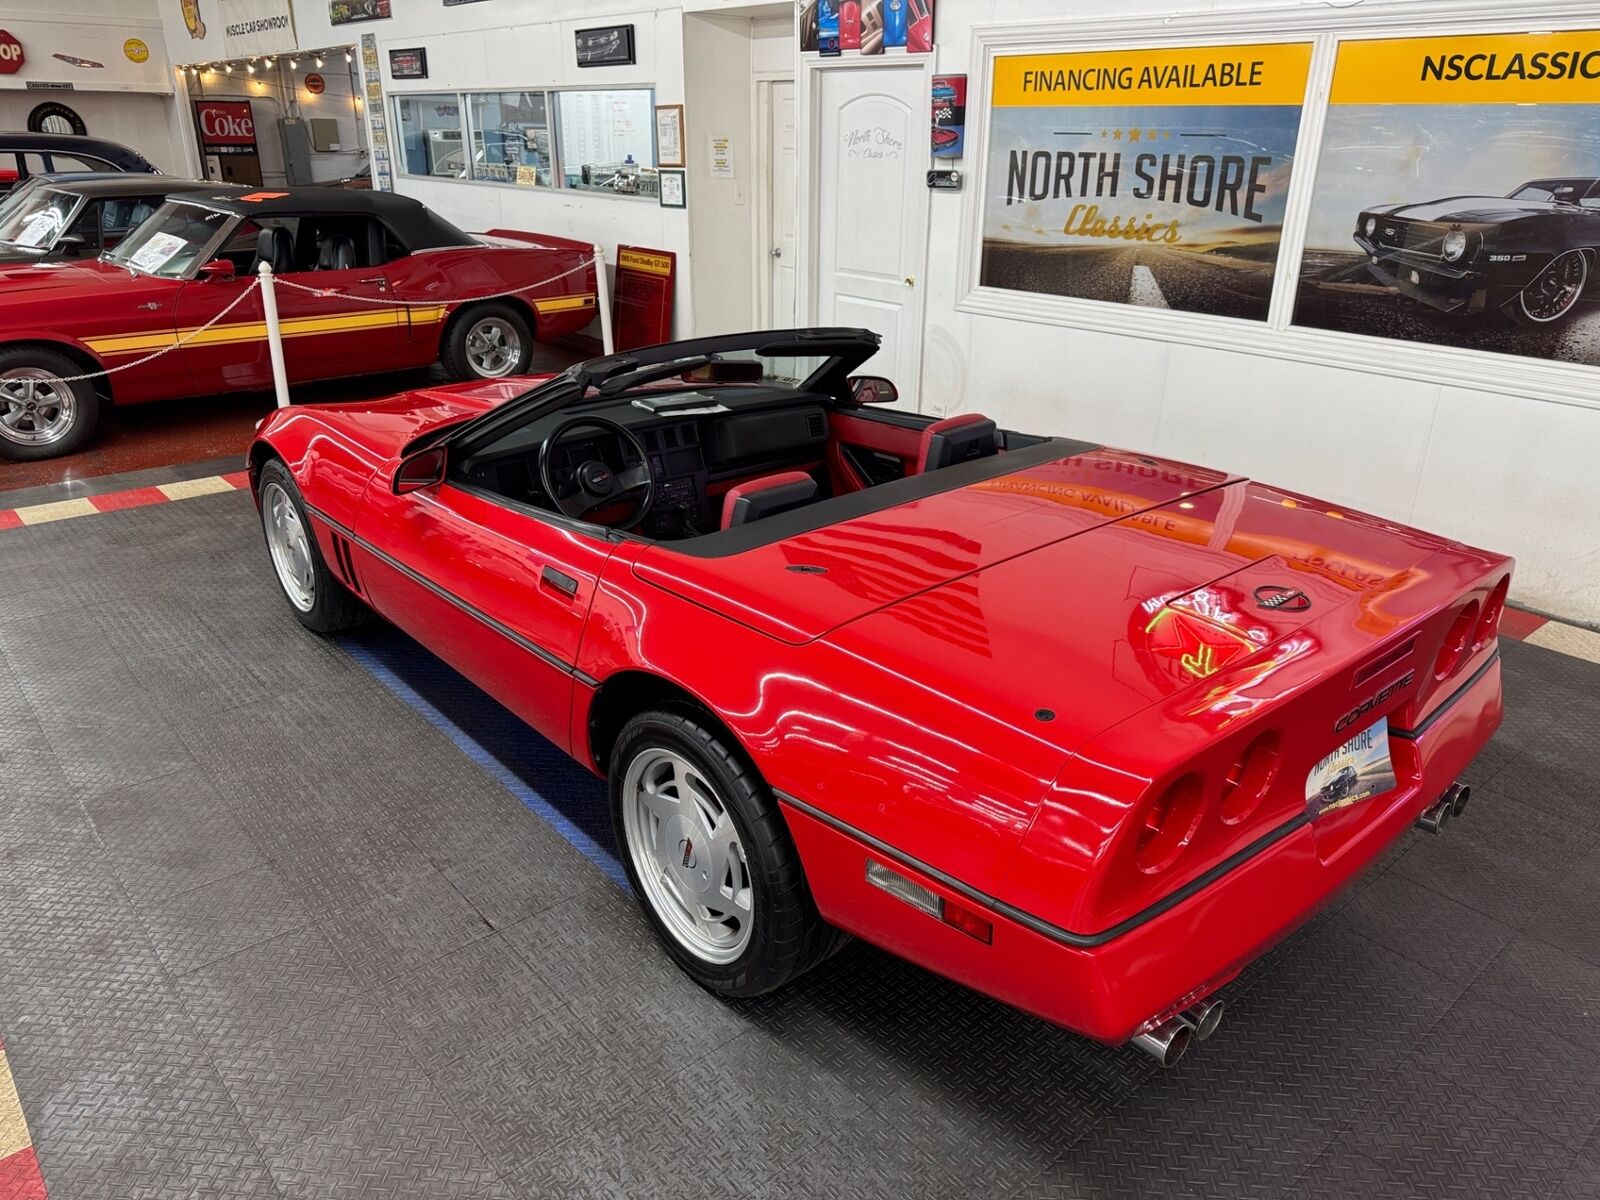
<point>1457,197</point>
<point>229,28</point>
<point>1151,177</point>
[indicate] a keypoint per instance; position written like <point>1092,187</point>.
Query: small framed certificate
<point>673,190</point>
<point>669,135</point>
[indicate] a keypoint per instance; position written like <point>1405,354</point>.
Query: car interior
<point>310,243</point>
<point>677,463</point>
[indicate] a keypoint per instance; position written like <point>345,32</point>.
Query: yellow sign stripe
<point>1528,68</point>
<point>131,343</point>
<point>1179,77</point>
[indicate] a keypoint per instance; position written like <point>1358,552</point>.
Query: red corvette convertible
<point>169,285</point>
<point>1084,729</point>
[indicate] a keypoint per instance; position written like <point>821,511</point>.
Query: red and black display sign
<point>411,63</point>
<point>642,306</point>
<point>11,56</point>
<point>226,126</point>
<point>949,115</point>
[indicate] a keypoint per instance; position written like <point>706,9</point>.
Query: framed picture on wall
<point>408,64</point>
<point>674,190</point>
<point>669,135</point>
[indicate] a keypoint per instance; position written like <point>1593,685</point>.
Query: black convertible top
<point>417,225</point>
<point>125,183</point>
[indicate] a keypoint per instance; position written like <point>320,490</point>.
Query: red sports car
<point>363,253</point>
<point>1052,719</point>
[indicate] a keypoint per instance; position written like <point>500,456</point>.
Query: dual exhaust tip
<point>1452,804</point>
<point>1169,1041</point>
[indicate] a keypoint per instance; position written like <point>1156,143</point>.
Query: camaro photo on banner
<point>1148,177</point>
<point>1457,197</point>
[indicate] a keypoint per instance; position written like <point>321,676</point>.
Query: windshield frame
<point>78,201</point>
<point>208,252</point>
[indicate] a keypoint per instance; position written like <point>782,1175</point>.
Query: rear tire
<point>317,598</point>
<point>41,416</point>
<point>487,341</point>
<point>697,827</point>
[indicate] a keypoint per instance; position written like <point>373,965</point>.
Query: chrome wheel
<point>494,347</point>
<point>1556,291</point>
<point>687,854</point>
<point>36,408</point>
<point>288,542</point>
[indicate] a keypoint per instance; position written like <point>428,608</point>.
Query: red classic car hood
<point>384,427</point>
<point>1094,585</point>
<point>30,282</point>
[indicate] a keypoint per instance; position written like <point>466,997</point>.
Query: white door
<point>781,310</point>
<point>872,210</point>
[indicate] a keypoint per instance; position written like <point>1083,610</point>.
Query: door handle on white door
<point>776,252</point>
<point>911,281</point>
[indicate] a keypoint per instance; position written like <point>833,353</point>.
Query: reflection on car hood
<point>30,281</point>
<point>1473,208</point>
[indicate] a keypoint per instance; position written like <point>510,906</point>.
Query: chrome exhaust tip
<point>1167,1042</point>
<point>1451,804</point>
<point>1203,1018</point>
<point>1458,796</point>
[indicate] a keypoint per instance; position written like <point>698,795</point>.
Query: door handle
<point>558,581</point>
<point>911,281</point>
<point>777,252</point>
<point>381,280</point>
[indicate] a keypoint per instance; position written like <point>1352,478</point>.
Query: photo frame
<point>410,63</point>
<point>669,135</point>
<point>674,188</point>
<point>605,46</point>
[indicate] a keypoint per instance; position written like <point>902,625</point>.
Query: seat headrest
<point>957,440</point>
<point>766,497</point>
<point>337,254</point>
<point>274,246</point>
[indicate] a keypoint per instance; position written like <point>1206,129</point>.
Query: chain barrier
<point>280,281</point>
<point>184,340</point>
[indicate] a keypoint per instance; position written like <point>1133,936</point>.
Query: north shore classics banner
<point>1457,196</point>
<point>1148,177</point>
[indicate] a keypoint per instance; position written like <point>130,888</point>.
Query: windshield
<point>1562,191</point>
<point>172,242</point>
<point>36,223</point>
<point>784,371</point>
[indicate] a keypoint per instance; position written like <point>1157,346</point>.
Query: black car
<point>1340,786</point>
<point>26,154</point>
<point>78,216</point>
<point>1530,254</point>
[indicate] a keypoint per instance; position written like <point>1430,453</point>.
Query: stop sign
<point>10,54</point>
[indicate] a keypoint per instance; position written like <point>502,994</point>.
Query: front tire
<point>487,341</point>
<point>41,414</point>
<point>318,600</point>
<point>1554,293</point>
<point>711,859</point>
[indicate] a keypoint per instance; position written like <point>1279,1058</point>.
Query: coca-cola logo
<point>226,123</point>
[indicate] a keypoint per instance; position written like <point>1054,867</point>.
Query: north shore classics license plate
<point>1356,771</point>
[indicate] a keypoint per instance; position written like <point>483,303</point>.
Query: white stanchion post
<point>269,305</point>
<point>603,299</point>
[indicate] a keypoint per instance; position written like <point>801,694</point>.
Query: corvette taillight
<point>1250,779</point>
<point>1489,624</point>
<point>1456,642</point>
<point>1170,820</point>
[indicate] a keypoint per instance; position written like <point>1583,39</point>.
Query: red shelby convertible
<point>1084,729</point>
<point>168,284</point>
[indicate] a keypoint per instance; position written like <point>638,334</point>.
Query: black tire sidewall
<point>455,352</point>
<point>786,926</point>
<point>332,607</point>
<point>88,402</point>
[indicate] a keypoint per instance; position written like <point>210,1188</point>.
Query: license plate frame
<point>1359,769</point>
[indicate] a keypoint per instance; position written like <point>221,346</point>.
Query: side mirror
<point>70,241</point>
<point>421,470</point>
<point>217,270</point>
<point>873,389</point>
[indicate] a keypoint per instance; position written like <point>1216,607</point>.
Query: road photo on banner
<point>1457,197</point>
<point>1156,178</point>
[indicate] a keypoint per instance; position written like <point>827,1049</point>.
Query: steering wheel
<point>594,485</point>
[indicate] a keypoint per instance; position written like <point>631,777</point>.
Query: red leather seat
<point>956,440</point>
<point>766,497</point>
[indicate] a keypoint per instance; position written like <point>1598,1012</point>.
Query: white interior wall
<point>122,100</point>
<point>1503,470</point>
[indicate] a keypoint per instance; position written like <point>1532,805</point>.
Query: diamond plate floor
<point>267,932</point>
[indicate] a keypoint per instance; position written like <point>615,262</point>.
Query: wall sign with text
<point>1457,197</point>
<point>1149,177</point>
<point>225,126</point>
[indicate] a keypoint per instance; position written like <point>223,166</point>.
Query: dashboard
<point>716,437</point>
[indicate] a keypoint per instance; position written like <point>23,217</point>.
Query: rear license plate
<point>1356,771</point>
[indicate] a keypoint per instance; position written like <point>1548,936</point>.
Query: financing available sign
<point>1149,177</point>
<point>1457,197</point>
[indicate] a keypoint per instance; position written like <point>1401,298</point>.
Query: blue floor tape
<point>568,799</point>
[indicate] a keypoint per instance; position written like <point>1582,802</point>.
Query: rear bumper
<point>1114,988</point>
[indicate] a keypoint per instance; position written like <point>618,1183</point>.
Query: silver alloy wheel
<point>1554,293</point>
<point>494,347</point>
<point>687,854</point>
<point>290,547</point>
<point>36,408</point>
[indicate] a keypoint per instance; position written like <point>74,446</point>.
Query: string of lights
<point>309,59</point>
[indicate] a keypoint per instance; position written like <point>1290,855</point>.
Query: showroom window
<point>587,140</point>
